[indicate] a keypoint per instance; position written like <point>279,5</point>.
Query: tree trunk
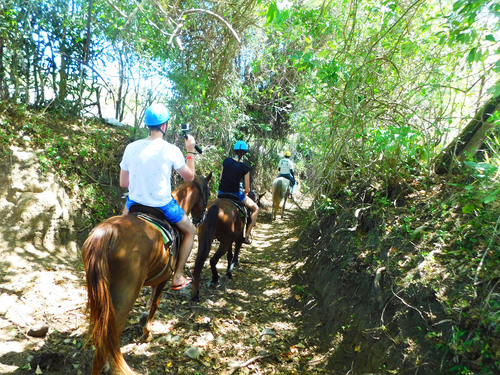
<point>27,76</point>
<point>470,139</point>
<point>63,75</point>
<point>36,63</point>
<point>15,77</point>
<point>3,90</point>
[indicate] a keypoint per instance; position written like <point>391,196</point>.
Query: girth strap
<point>167,266</point>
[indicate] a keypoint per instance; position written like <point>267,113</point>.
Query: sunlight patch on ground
<point>11,347</point>
<point>162,328</point>
<point>273,292</point>
<point>5,369</point>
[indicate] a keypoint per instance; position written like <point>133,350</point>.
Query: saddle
<point>245,212</point>
<point>171,235</point>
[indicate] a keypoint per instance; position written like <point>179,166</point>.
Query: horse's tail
<point>206,235</point>
<point>103,330</point>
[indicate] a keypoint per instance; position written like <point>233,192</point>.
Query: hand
<point>190,143</point>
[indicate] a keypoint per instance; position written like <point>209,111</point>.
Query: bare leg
<point>189,231</point>
<point>255,212</point>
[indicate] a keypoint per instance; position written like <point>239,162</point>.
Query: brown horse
<point>120,256</point>
<point>224,222</point>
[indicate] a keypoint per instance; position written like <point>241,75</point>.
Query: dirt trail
<point>248,326</point>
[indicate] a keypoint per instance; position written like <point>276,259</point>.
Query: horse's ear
<point>209,177</point>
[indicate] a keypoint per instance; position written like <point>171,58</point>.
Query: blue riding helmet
<point>156,114</point>
<point>240,145</point>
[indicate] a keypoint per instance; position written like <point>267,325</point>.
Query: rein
<point>204,195</point>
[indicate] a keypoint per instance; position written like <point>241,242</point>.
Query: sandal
<point>187,282</point>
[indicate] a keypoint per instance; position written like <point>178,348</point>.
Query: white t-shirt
<point>285,166</point>
<point>150,164</point>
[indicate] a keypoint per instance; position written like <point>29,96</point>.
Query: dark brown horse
<point>224,222</point>
<point>120,256</point>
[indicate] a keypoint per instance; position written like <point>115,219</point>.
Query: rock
<point>38,331</point>
<point>112,121</point>
<point>268,331</point>
<point>193,352</point>
<point>169,339</point>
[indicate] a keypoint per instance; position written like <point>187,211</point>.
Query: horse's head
<point>199,208</point>
<point>255,196</point>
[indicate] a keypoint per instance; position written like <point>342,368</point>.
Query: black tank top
<point>232,173</point>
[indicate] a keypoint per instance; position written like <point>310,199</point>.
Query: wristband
<point>189,157</point>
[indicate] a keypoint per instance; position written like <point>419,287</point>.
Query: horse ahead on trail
<point>120,256</point>
<point>281,191</point>
<point>225,220</point>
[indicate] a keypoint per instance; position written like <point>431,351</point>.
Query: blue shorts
<point>173,212</point>
<point>240,195</point>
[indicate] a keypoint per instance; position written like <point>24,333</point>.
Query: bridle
<point>203,196</point>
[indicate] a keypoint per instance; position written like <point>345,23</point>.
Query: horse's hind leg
<point>153,306</point>
<point>234,261</point>
<point>123,295</point>
<point>214,260</point>
<point>229,261</point>
<point>284,203</point>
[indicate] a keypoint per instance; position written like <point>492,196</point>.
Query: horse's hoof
<point>213,284</point>
<point>147,337</point>
<point>224,280</point>
<point>143,319</point>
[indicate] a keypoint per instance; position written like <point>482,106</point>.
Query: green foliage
<point>362,83</point>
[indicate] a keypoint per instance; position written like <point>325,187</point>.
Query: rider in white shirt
<point>146,170</point>
<point>286,169</point>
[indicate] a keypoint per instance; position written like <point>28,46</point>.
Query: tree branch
<point>244,364</point>
<point>189,11</point>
